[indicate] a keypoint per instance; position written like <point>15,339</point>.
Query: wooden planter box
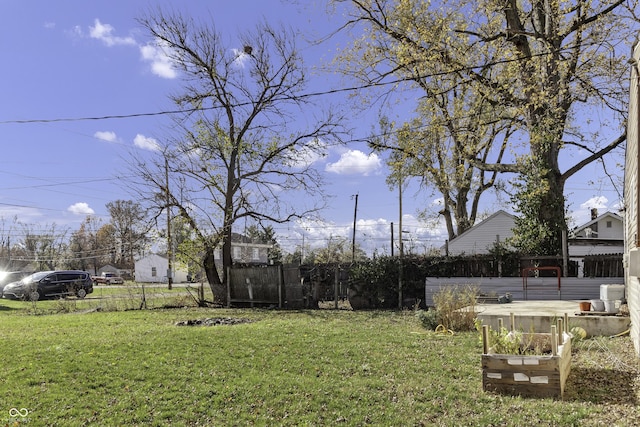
<point>530,375</point>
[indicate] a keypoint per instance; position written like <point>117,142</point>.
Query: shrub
<point>456,307</point>
<point>428,319</point>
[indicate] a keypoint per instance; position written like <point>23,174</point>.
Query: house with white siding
<point>153,268</point>
<point>480,238</point>
<point>606,227</point>
<point>602,235</point>
<point>632,201</point>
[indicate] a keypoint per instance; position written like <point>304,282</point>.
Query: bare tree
<point>6,232</point>
<point>106,242</point>
<point>84,246</point>
<point>44,247</point>
<point>249,137</point>
<point>130,225</point>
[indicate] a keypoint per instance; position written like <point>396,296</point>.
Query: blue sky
<point>77,59</point>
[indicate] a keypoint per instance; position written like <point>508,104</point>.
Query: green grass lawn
<point>316,368</point>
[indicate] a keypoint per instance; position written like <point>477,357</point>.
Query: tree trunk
<point>548,181</point>
<point>216,285</point>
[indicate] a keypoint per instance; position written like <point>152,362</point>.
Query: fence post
<point>335,286</point>
<point>228,287</point>
<point>280,284</point>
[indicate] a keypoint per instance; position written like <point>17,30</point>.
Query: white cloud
<point>49,25</point>
<point>146,143</point>
<point>75,32</point>
<point>356,162</point>
<point>80,208</point>
<point>104,32</point>
<point>599,202</point>
<point>106,136</point>
<point>25,213</point>
<point>161,63</point>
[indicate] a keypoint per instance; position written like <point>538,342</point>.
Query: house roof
<point>484,221</point>
<point>596,220</point>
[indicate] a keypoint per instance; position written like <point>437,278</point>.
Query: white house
<point>632,202</point>
<point>480,238</point>
<point>608,226</point>
<point>602,235</point>
<point>153,269</point>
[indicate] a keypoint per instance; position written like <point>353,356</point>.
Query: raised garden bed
<point>530,375</point>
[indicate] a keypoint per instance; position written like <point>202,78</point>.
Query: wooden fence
<point>275,286</point>
<point>304,286</point>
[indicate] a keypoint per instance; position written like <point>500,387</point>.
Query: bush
<point>456,307</point>
<point>428,319</point>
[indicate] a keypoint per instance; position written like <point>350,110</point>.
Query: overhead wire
<point>304,95</point>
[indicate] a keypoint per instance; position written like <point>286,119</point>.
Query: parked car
<point>7,277</point>
<point>50,284</point>
<point>107,278</point>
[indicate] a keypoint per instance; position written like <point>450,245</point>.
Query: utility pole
<point>169,243</point>
<point>353,242</point>
<point>401,248</point>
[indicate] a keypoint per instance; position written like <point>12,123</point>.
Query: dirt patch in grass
<point>214,321</point>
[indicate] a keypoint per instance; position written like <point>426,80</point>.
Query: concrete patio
<point>540,315</point>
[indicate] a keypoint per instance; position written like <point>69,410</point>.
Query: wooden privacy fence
<point>603,265</point>
<point>264,285</point>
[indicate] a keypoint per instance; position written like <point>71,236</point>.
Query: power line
<point>305,95</point>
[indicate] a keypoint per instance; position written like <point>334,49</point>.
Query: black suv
<point>50,284</point>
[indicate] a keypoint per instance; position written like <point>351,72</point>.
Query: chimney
<point>594,213</point>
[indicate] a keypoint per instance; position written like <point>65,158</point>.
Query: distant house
<point>606,227</point>
<point>153,268</point>
<point>602,235</point>
<point>632,201</point>
<point>246,251</point>
<point>480,238</point>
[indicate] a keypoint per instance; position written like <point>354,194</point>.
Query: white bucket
<point>610,306</point>
<point>597,305</point>
<point>611,292</point>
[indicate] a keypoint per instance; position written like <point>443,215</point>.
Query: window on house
<point>609,224</point>
<point>237,253</point>
<point>154,273</point>
<point>256,254</point>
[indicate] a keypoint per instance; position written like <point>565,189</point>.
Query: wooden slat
<point>539,376</point>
